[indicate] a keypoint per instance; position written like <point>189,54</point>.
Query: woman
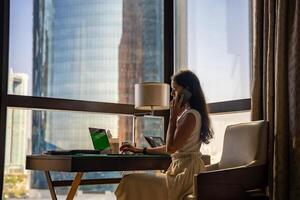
<point>189,127</point>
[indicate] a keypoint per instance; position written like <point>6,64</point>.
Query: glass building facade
<point>75,57</point>
<point>92,50</point>
<point>17,126</point>
<point>141,58</point>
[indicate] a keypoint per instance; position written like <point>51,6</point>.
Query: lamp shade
<point>152,96</point>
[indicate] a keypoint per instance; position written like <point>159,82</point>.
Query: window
<point>25,135</point>
<point>76,55</point>
<point>96,51</point>
<point>212,39</point>
<point>54,45</point>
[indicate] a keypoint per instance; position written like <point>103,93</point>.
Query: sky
<point>218,47</point>
<point>20,37</point>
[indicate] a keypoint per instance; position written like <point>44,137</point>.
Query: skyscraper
<point>91,50</point>
<point>140,51</point>
<point>17,126</point>
<point>75,56</point>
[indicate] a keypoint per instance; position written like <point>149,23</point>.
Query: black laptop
<point>100,145</point>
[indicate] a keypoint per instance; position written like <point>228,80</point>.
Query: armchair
<point>242,170</point>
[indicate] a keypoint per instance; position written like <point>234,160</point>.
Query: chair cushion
<point>244,143</point>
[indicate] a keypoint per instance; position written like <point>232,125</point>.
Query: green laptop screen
<point>99,139</point>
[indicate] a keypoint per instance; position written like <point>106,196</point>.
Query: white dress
<point>177,182</point>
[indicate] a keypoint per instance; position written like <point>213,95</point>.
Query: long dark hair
<point>189,81</point>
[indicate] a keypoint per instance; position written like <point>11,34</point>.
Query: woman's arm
<point>179,132</point>
<point>170,133</point>
<point>155,150</point>
<point>177,135</point>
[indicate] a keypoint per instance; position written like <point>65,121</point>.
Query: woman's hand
<point>128,147</point>
<point>176,108</point>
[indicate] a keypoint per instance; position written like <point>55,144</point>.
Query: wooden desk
<point>81,163</point>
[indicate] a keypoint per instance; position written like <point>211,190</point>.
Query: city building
<point>17,127</point>
<point>94,53</point>
<point>75,56</point>
<point>140,59</point>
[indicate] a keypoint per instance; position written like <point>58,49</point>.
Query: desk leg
<point>50,185</point>
<point>74,186</point>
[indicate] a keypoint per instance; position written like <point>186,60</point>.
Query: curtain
<point>276,89</point>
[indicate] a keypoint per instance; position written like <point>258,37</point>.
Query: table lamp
<point>150,97</point>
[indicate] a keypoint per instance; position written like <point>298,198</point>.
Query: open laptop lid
<point>99,139</point>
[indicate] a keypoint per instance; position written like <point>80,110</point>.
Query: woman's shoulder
<point>194,112</point>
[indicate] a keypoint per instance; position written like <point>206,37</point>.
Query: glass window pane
<point>219,124</point>
<point>86,49</point>
<point>148,126</point>
<point>34,131</point>
<point>212,40</point>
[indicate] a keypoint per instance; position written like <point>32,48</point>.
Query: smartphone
<point>185,96</point>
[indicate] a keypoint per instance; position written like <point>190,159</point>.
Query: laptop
<point>100,142</point>
<point>154,141</point>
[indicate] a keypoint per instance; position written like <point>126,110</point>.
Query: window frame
<point>31,102</point>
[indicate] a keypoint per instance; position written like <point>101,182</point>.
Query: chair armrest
<point>230,183</point>
<point>212,167</point>
<point>248,177</point>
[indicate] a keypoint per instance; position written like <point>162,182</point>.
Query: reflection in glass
<point>148,125</point>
